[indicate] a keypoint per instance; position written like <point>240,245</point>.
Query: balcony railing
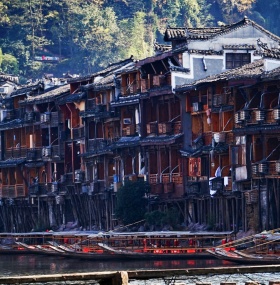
<point>222,99</point>
<point>15,152</point>
<point>164,128</point>
<point>96,144</point>
<point>12,191</point>
<point>78,133</point>
<point>52,152</point>
<point>34,154</point>
<point>152,128</point>
<point>256,116</point>
<point>129,130</point>
<point>39,189</point>
<point>131,89</point>
<point>265,169</point>
<point>50,118</point>
<point>196,186</point>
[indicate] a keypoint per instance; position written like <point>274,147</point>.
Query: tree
<point>9,64</point>
<point>131,202</point>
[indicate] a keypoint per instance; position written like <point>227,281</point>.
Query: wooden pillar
<point>243,211</point>
<point>121,278</point>
<point>267,222</point>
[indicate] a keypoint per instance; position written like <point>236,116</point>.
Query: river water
<point>29,264</point>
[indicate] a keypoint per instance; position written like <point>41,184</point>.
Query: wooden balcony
<point>12,191</point>
<point>177,127</point>
<point>257,116</point>
<point>54,152</point>
<point>268,169</point>
<point>50,118</point>
<point>222,99</point>
<point>39,189</point>
<point>129,130</point>
<point>15,152</point>
<point>164,128</point>
<point>33,154</point>
<point>91,104</point>
<point>196,186</point>
<point>130,89</point>
<point>96,144</point>
<point>152,128</point>
<point>78,133</point>
<point>177,178</point>
<point>58,151</point>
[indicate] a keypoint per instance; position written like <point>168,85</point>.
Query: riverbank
<point>123,277</point>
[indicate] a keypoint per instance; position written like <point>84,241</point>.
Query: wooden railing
<point>96,144</point>
<point>12,191</point>
<point>78,132</point>
<point>34,154</point>
<point>15,152</point>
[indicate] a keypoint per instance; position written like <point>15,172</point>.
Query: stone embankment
<point>123,277</point>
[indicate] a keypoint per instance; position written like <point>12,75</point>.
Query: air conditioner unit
<point>197,106</point>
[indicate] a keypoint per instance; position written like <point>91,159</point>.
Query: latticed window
<point>234,60</point>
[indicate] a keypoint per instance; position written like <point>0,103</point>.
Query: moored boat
<point>263,248</point>
<point>116,245</point>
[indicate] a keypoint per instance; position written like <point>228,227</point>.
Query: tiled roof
<point>251,70</point>
<point>48,96</point>
<point>273,74</point>
<point>8,77</point>
<point>127,142</point>
<point>110,68</point>
<point>161,47</point>
<point>76,97</point>
<point>17,123</point>
<point>126,100</point>
<point>273,53</point>
<point>160,140</point>
<point>108,80</point>
<point>36,87</point>
<point>240,46</point>
<point>11,162</point>
<point>211,32</point>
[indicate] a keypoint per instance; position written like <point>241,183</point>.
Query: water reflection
<point>34,264</point>
<point>12,265</point>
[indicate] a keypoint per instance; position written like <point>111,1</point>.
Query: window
<point>234,60</point>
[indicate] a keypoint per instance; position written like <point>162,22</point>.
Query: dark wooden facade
<point>209,147</point>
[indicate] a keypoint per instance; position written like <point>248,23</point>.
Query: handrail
<point>160,179</point>
<point>171,172</point>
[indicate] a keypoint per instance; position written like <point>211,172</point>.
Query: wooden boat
<point>41,249</point>
<point>263,248</point>
<point>111,245</point>
<point>243,258</point>
<point>160,245</point>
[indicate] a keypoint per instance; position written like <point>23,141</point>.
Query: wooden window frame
<point>234,60</point>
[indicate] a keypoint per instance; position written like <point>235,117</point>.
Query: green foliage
<point>131,202</point>
<point>88,35</point>
<point>9,64</point>
<point>138,43</point>
<point>159,218</point>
